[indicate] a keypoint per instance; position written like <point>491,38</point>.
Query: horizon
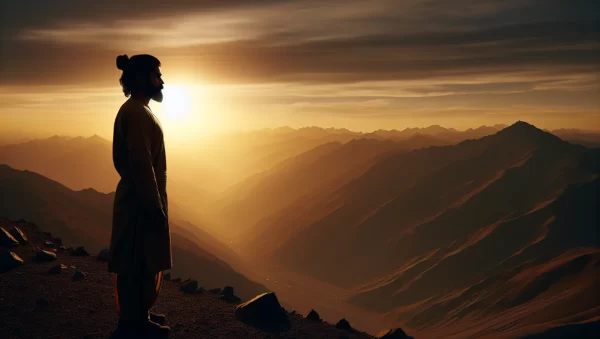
<point>38,136</point>
<point>246,66</point>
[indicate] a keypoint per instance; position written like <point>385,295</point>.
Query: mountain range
<point>447,233</point>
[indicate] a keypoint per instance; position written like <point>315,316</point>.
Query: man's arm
<point>139,129</point>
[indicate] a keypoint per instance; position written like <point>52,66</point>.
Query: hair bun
<point>122,62</point>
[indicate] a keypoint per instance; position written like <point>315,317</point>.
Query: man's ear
<point>142,79</point>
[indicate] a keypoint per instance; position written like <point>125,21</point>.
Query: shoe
<point>157,318</point>
<point>152,329</point>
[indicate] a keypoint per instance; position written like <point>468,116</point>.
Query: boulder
<point>343,324</point>
<point>45,256</point>
<point>79,252</point>
<point>312,315</point>
<point>9,260</point>
<point>228,295</point>
<point>167,276</point>
<point>18,235</point>
<point>6,239</point>
<point>214,291</point>
<point>200,290</point>
<point>392,333</point>
<point>79,275</point>
<point>103,255</point>
<point>57,269</point>
<point>263,310</point>
<point>189,287</point>
<point>227,291</point>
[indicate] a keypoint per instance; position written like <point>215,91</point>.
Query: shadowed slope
<point>85,218</point>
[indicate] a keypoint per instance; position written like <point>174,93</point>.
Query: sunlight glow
<point>176,102</point>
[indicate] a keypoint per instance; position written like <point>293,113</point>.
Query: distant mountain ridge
<point>417,229</point>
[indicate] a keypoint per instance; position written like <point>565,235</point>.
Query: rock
<point>227,291</point>
<point>167,276</point>
<point>18,235</point>
<point>200,290</point>
<point>45,256</point>
<point>263,310</point>
<point>48,244</point>
<point>312,315</point>
<point>41,304</point>
<point>79,252</point>
<point>6,239</point>
<point>103,255</point>
<point>343,324</point>
<point>79,275</point>
<point>189,287</point>
<point>57,269</point>
<point>9,260</point>
<point>292,312</point>
<point>214,291</point>
<point>228,295</point>
<point>395,333</point>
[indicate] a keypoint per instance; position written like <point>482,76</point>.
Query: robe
<point>139,157</point>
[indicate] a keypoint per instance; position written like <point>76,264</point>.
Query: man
<point>140,247</point>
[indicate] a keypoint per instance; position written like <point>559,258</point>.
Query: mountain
<point>423,235</point>
<point>444,135</point>
<point>85,218</point>
<point>576,136</point>
<point>323,168</point>
<point>78,163</point>
<point>269,191</point>
<point>238,155</point>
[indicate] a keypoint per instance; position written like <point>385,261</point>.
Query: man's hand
<point>158,217</point>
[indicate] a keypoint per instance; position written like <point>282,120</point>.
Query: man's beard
<point>154,93</point>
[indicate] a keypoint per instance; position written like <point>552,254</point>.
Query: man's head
<point>141,76</point>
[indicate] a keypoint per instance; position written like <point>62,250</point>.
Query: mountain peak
<point>522,130</point>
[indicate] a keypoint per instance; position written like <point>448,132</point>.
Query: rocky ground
<point>35,303</point>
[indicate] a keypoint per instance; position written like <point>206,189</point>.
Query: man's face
<point>155,86</point>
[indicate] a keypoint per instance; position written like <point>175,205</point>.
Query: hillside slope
<point>85,308</point>
<point>85,218</point>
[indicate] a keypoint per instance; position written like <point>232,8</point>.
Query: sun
<point>176,102</point>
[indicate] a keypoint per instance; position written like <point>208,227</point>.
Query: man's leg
<point>133,312</point>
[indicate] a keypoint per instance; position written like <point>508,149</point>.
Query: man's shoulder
<point>133,109</point>
<point>131,105</point>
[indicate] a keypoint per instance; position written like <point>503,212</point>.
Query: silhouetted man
<point>140,247</point>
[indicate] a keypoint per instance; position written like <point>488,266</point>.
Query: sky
<point>248,64</point>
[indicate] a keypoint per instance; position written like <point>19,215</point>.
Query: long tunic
<point>140,159</point>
